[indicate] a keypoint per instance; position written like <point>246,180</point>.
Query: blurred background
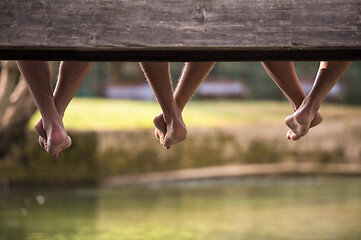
<point>236,176</point>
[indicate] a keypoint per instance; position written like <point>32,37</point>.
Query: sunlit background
<point>236,176</point>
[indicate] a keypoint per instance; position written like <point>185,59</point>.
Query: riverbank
<point>244,170</point>
<point>113,139</point>
<point>97,156</point>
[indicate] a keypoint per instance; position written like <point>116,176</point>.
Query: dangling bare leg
<point>71,75</point>
<point>158,76</point>
<point>284,75</point>
<point>37,76</point>
<point>192,76</point>
<point>327,76</point>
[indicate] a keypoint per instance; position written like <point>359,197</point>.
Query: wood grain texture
<point>162,29</point>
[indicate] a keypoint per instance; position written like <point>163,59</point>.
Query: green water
<point>267,208</point>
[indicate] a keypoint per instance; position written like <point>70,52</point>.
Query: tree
<point>16,106</point>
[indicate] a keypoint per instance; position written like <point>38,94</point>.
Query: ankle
<point>180,105</point>
<point>61,111</point>
<point>172,115</point>
<point>54,122</point>
<point>310,105</point>
<point>297,102</point>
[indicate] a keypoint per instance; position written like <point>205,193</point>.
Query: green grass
<point>103,114</point>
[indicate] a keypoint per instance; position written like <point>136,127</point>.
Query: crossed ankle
<point>310,104</point>
<point>174,117</point>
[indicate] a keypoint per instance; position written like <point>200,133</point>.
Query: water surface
<point>252,208</point>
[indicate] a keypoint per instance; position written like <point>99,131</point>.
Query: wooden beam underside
<point>176,30</point>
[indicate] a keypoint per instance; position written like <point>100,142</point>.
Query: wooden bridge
<point>177,30</point>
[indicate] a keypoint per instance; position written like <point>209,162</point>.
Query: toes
<point>167,143</point>
<point>292,136</point>
<point>156,133</point>
<point>295,137</point>
<point>161,138</point>
<point>289,134</point>
<point>42,142</point>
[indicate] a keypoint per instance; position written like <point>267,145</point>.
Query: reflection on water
<point>272,208</point>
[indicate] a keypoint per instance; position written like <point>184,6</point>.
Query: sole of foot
<point>316,121</point>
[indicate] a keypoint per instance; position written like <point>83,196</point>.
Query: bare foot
<point>54,138</point>
<point>300,121</point>
<point>176,132</point>
<point>316,121</point>
<point>39,128</point>
<point>160,128</point>
<point>169,132</point>
<point>57,140</point>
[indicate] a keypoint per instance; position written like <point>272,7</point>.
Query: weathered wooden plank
<point>180,31</point>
